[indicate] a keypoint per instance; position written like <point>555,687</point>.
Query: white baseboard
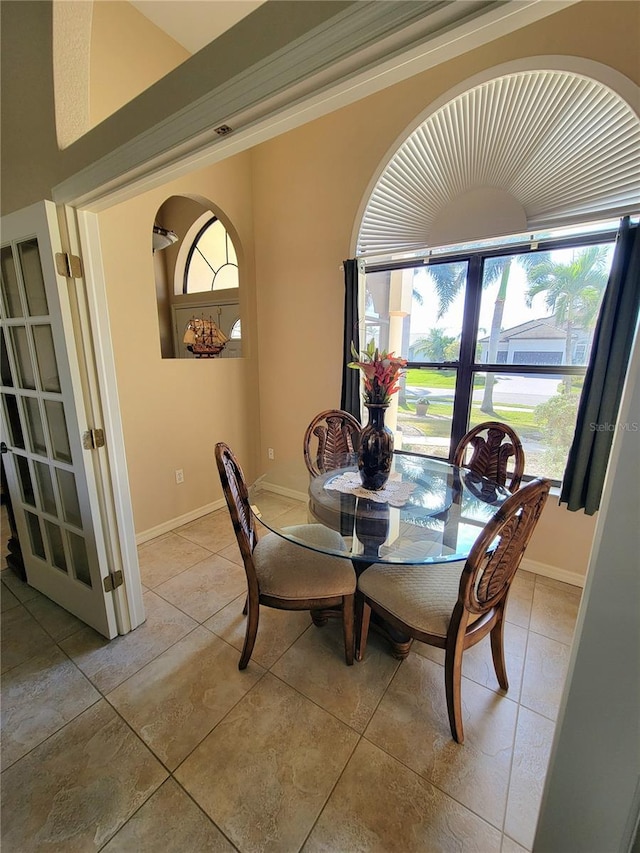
<point>554,572</point>
<point>536,568</point>
<point>167,526</point>
<point>286,492</point>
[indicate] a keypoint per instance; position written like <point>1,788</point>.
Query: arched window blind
<point>553,148</point>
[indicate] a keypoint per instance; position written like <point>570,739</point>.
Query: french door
<point>46,437</point>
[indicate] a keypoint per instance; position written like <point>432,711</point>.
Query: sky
<point>516,311</point>
<point>424,317</point>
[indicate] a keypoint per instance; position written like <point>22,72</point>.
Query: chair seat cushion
<point>423,597</point>
<point>295,572</point>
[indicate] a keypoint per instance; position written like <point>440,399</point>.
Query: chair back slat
<point>491,454</point>
<point>338,439</point>
<point>498,551</point>
<point>236,495</point>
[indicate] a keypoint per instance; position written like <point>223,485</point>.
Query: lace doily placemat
<point>394,492</point>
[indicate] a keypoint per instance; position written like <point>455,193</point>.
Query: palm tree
<point>449,280</point>
<point>434,346</point>
<point>494,268</point>
<point>573,290</point>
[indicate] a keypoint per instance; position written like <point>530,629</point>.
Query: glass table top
<point>441,513</point>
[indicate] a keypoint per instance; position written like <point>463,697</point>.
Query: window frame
<point>193,248</point>
<point>466,366</point>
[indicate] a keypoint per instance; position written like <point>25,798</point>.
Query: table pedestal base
<point>400,643</point>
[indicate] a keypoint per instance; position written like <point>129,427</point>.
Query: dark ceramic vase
<point>376,449</point>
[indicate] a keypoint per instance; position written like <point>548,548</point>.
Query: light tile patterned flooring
<point>155,740</point>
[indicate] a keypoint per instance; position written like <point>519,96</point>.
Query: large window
<point>502,333</point>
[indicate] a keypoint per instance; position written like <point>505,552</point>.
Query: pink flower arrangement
<point>381,371</point>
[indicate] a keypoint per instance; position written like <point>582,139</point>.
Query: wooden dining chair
<point>282,574</point>
<point>488,455</point>
<point>338,437</point>
<point>454,605</point>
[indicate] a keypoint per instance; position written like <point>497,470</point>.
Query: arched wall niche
<point>184,215</point>
<point>536,143</point>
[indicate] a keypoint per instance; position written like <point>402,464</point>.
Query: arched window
<point>211,263</point>
<point>487,240</point>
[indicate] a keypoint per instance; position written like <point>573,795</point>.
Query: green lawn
<point>437,422</point>
<point>431,378</point>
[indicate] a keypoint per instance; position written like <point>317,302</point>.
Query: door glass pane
<point>16,438</point>
<point>35,536</point>
<point>56,547</point>
<point>26,377</point>
<point>5,367</point>
<point>425,411</point>
<point>69,495</point>
<point>541,409</point>
<point>10,289</point>
<point>33,279</point>
<point>24,475</point>
<point>34,425</point>
<point>80,558</point>
<point>58,430</point>
<point>542,307</point>
<point>45,486</point>
<point>43,339</point>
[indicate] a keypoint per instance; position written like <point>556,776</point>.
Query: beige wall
<point>308,187</point>
<point>120,69</point>
<point>294,203</point>
<point>175,410</point>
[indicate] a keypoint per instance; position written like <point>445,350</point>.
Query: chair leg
<point>246,606</point>
<point>497,651</point>
<point>453,688</point>
<point>250,634</point>
<point>347,627</point>
<point>363,615</point>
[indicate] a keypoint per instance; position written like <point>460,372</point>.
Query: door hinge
<point>92,439</point>
<point>70,266</point>
<point>113,581</point>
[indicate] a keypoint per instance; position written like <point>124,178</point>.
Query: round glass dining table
<point>428,512</point>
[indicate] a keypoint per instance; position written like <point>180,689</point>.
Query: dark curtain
<point>602,391</point>
<point>350,398</point>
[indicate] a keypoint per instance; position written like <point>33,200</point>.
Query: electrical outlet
<point>179,476</point>
<point>270,453</point>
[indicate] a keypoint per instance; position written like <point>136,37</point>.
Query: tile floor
<point>156,740</point>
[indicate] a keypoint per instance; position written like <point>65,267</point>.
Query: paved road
<point>526,390</point>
